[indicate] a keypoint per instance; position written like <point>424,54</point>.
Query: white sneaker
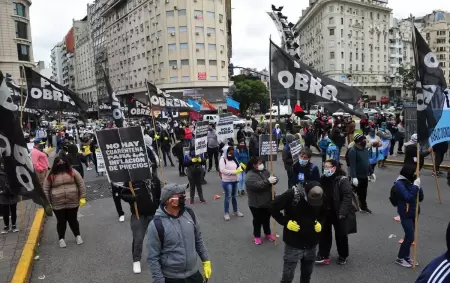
<point>121,218</point>
<point>89,169</point>
<point>79,240</point>
<point>137,267</point>
<point>62,243</point>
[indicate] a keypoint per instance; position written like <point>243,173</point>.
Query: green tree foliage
<point>408,79</point>
<point>247,92</point>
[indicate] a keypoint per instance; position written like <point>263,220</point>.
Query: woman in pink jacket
<point>229,172</point>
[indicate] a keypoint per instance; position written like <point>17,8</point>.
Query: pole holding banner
<point>159,150</point>
<point>438,187</point>
<point>130,184</point>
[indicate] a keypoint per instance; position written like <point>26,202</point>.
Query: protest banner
<point>268,147</point>
<point>225,128</point>
<point>101,167</point>
<point>201,137</point>
<point>295,146</point>
<point>124,154</point>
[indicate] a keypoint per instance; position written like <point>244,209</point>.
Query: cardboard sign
<point>225,128</point>
<point>101,166</point>
<point>201,137</point>
<point>124,154</point>
<point>267,149</point>
<point>295,146</point>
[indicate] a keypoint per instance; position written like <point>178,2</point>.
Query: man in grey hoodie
<point>175,239</point>
<point>213,148</point>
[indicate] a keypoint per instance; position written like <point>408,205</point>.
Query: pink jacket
<point>39,159</point>
<point>227,168</point>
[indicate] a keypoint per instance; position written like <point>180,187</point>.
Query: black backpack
<point>393,196</point>
<point>346,157</point>
<point>160,227</point>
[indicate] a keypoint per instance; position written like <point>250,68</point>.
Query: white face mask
<point>261,167</point>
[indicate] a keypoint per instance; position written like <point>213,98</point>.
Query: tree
<point>247,92</point>
<point>408,80</point>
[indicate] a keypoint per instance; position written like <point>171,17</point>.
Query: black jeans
<point>326,237</point>
<point>195,181</point>
<point>400,145</point>
<point>138,229</point>
<point>64,216</point>
<point>116,191</point>
<point>391,150</point>
<point>292,179</point>
<point>196,278</point>
<point>361,191</point>
<point>261,217</point>
<point>6,209</point>
<point>291,257</point>
<point>180,166</point>
<point>167,153</point>
<point>439,157</point>
<point>213,153</point>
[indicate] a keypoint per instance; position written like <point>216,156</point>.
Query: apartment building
<point>348,40</point>
<point>175,44</point>
<point>85,82</point>
<point>56,58</point>
<point>16,44</point>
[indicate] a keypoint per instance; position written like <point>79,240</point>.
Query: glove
<point>207,160</point>
<point>374,178</point>
<point>166,138</point>
<point>82,202</point>
<point>272,179</point>
<point>417,182</point>
<point>355,182</point>
<point>243,165</point>
<point>156,137</point>
<point>238,171</point>
<point>207,269</point>
<point>196,159</point>
<point>293,226</point>
<point>318,227</point>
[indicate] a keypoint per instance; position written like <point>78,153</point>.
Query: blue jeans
<point>408,227</point>
<point>230,189</point>
<point>241,182</point>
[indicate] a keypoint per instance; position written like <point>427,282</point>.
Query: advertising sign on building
<point>201,76</point>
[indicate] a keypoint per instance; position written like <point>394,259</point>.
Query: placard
<point>295,146</point>
<point>201,137</point>
<point>101,166</point>
<point>266,149</point>
<point>225,128</point>
<point>124,154</point>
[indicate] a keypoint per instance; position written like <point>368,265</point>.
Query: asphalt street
<point>106,254</point>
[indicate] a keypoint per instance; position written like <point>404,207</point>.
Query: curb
<point>26,260</point>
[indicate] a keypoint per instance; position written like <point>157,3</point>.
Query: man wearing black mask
<point>254,143</point>
<point>337,136</point>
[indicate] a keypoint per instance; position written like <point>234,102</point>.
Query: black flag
<point>289,76</point>
<point>17,164</point>
<point>115,103</point>
<point>159,99</point>
<point>433,116</point>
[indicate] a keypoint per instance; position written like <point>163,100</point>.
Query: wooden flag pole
<point>416,219</point>
<point>159,151</point>
<point>135,204</point>
<point>271,169</point>
<point>438,187</point>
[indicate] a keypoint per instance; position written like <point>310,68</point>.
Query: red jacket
<point>187,134</point>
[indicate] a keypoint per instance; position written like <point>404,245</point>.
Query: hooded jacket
<point>407,200</point>
<point>259,189</point>
<point>177,257</point>
<point>411,154</point>
<point>359,162</point>
<point>147,194</point>
<point>212,139</point>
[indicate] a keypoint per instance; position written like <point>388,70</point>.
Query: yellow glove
<point>207,160</point>
<point>243,166</point>
<point>318,227</point>
<point>166,138</point>
<point>207,269</point>
<point>156,137</point>
<point>196,159</point>
<point>293,226</point>
<point>238,171</point>
<point>82,202</point>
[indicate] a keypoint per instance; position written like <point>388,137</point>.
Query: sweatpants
<point>116,191</point>
<point>138,229</point>
<point>326,236</point>
<point>291,258</point>
<point>361,191</point>
<point>64,216</point>
<point>195,182</point>
<point>196,278</point>
<point>261,217</point>
<point>213,153</point>
<point>6,209</point>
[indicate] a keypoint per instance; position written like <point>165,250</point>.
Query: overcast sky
<point>52,19</point>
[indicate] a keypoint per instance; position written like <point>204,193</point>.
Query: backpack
<point>347,160</point>
<point>355,201</point>
<point>160,227</point>
<point>393,196</point>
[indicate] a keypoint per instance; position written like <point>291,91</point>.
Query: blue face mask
<point>302,162</point>
<point>327,172</point>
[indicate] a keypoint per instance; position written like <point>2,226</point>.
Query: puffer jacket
<point>64,190</point>
<point>259,189</point>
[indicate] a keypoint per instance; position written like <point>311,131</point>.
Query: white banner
<point>225,128</point>
<point>201,137</point>
<point>101,167</point>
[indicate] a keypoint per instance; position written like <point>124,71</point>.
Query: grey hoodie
<point>177,258</point>
<point>212,139</point>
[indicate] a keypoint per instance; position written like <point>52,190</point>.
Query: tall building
<point>349,42</point>
<point>57,57</point>
<point>85,82</point>
<point>15,44</point>
<point>176,44</point>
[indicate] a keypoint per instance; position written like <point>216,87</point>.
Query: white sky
<point>52,19</point>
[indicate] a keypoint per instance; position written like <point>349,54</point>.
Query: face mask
<point>261,167</point>
<point>327,172</point>
<point>302,162</point>
<point>259,132</point>
<point>182,201</point>
<point>363,143</point>
<point>230,157</point>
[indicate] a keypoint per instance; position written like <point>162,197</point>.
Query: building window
<point>332,55</point>
<point>331,21</point>
<point>19,9</point>
<point>198,14</point>
<point>332,31</point>
<point>173,63</point>
<point>210,15</point>
<point>183,29</point>
<point>160,50</point>
<point>185,78</point>
<point>21,30</point>
<point>331,8</point>
<point>184,46</point>
<point>211,46</point>
<point>185,62</point>
<point>173,79</point>
<point>172,47</point>
<point>182,12</point>
<point>169,14</point>
<point>200,46</point>
<point>199,30</point>
<point>23,52</point>
<point>170,29</point>
<point>213,62</point>
<point>213,78</point>
<point>220,17</point>
<point>211,30</point>
<point>200,62</point>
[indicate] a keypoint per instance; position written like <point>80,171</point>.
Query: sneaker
<point>203,201</point>
<point>258,241</point>
<point>242,193</point>
<point>366,210</point>
<point>191,201</point>
<point>204,182</point>
<point>79,240</point>
<point>5,230</point>
<point>270,237</point>
<point>62,243</point>
<point>121,218</point>
<point>402,262</point>
<point>410,261</point>
<point>89,169</point>
<point>323,260</point>
<point>137,267</point>
<point>14,229</point>
<point>226,217</point>
<point>238,214</point>
<point>342,261</point>
<point>209,169</point>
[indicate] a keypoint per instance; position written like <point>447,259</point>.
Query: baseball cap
<point>172,189</point>
<point>38,141</point>
<point>314,193</point>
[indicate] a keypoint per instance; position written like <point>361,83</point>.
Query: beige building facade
<point>16,47</point>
